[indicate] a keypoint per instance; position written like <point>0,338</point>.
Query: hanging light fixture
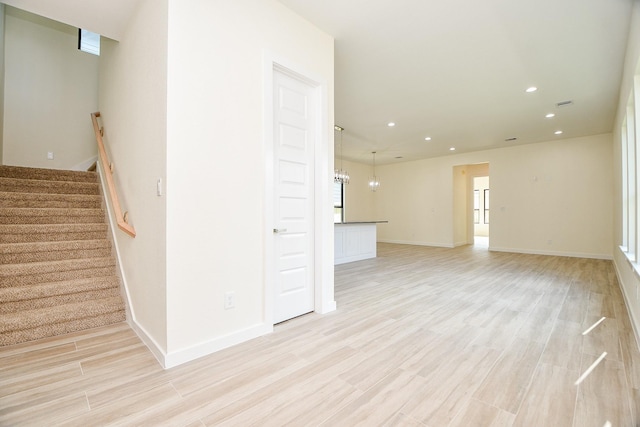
<point>374,183</point>
<point>340,175</point>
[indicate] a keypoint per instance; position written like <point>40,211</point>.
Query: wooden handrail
<point>121,218</point>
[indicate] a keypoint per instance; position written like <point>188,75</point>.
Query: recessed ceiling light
<point>558,132</point>
<point>452,149</point>
<point>391,124</point>
<point>548,116</point>
<point>428,138</point>
<point>531,89</point>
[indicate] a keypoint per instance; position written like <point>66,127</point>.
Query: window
<point>338,202</point>
<point>88,42</point>
<point>630,179</point>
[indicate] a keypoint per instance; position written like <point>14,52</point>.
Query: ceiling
<point>108,18</point>
<point>457,71</point>
<point>453,70</point>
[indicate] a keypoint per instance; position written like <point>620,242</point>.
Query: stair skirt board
<point>57,267</point>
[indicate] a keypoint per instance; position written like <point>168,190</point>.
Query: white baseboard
<point>148,340</point>
<point>553,253</point>
<point>632,318</point>
<point>185,355</point>
<point>332,306</point>
<point>84,166</point>
<point>410,242</point>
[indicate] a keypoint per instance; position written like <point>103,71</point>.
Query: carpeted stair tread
<point>47,174</point>
<point>23,233</point>
<point>50,215</point>
<point>49,289</point>
<point>62,313</point>
<point>57,269</point>
<point>19,185</point>
<point>10,199</point>
<point>20,336</point>
<point>17,253</point>
<point>56,300</point>
<point>31,268</point>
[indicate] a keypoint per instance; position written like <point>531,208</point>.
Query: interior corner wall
<point>50,89</point>
<point>542,198</point>
<point>216,161</point>
<point>133,106</point>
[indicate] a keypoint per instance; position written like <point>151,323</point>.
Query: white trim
<point>84,166</point>
<point>148,340</point>
<point>552,253</point>
<point>414,243</point>
<point>142,333</point>
<point>323,218</point>
<point>632,318</point>
<point>188,354</point>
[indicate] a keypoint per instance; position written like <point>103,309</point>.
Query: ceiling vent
<point>564,104</point>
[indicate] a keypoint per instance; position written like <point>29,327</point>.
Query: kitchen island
<point>355,241</point>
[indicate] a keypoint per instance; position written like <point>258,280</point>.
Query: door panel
<point>294,128</point>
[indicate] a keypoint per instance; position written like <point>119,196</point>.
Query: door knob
<point>279,230</point>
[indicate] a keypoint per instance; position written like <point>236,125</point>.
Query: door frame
<point>323,213</point>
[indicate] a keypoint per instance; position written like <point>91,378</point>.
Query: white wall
<point>543,198</point>
<point>629,281</point>
<point>359,201</point>
<point>216,162</point>
<point>50,88</point>
<point>133,104</point>
<point>461,190</point>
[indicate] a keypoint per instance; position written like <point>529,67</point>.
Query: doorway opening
<point>471,205</point>
<point>481,211</point>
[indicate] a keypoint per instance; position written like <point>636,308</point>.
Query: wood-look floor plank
<point>507,383</point>
<point>550,400</point>
<point>422,337</point>
<point>602,395</point>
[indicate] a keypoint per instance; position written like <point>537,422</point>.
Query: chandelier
<point>340,175</point>
<point>374,182</point>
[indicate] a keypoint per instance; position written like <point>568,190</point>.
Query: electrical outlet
<point>50,155</point>
<point>229,300</point>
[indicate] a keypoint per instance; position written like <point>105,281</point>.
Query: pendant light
<point>374,183</point>
<point>340,175</point>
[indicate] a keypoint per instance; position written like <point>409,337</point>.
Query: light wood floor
<point>422,337</point>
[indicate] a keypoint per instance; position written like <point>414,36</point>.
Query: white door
<point>294,142</point>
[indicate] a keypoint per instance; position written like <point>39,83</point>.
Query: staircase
<point>57,272</point>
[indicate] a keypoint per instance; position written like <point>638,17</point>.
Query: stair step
<point>55,271</point>
<point>48,330</point>
<point>62,313</point>
<point>23,233</point>
<point>9,199</point>
<point>51,289</point>
<point>18,253</point>
<point>7,307</point>
<point>47,174</point>
<point>18,185</point>
<point>50,215</point>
